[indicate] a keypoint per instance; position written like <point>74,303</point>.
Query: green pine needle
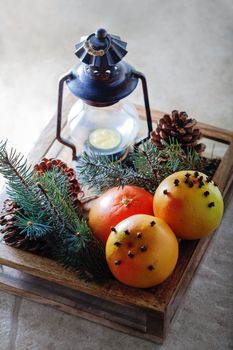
<point>21,187</point>
<point>99,173</point>
<point>81,253</point>
<point>73,245</point>
<point>30,228</point>
<point>46,210</point>
<point>150,166</point>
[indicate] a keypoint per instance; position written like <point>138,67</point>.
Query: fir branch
<point>147,160</point>
<point>151,166</point>
<point>73,244</point>
<point>81,253</point>
<point>179,159</point>
<point>14,169</point>
<point>30,228</point>
<point>50,207</point>
<point>53,185</point>
<point>21,187</point>
<point>100,173</point>
<point>47,210</point>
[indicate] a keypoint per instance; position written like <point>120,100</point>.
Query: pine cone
<point>179,127</point>
<point>73,186</point>
<point>11,232</point>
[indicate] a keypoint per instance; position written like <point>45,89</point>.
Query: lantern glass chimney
<point>106,130</point>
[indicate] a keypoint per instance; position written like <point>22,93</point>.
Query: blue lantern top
<point>101,49</point>
<point>102,78</point>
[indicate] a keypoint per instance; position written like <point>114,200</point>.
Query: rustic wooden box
<point>143,313</point>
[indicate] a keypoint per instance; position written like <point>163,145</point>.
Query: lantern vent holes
<point>103,73</point>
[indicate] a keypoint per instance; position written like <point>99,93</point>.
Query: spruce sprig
<point>33,227</point>
<point>72,244</point>
<point>150,166</point>
<point>99,173</point>
<point>47,210</point>
<point>21,187</point>
<point>81,253</point>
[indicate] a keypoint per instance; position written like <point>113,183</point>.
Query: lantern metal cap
<point>101,49</point>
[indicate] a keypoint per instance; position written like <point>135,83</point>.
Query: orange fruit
<point>190,203</point>
<point>116,205</point>
<point>142,251</point>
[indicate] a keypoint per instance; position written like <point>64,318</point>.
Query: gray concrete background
<point>185,48</point>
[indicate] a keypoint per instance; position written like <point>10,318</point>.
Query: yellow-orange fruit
<point>141,251</point>
<point>190,203</point>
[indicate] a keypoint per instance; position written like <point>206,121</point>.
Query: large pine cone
<point>74,188</point>
<point>180,128</point>
<point>11,232</point>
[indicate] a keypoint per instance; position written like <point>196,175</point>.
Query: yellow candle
<point>104,138</point>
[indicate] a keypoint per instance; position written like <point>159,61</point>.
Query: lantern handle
<point>142,77</point>
<point>65,142</point>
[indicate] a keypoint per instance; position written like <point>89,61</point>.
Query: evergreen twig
<point>72,243</point>
<point>100,173</point>
<point>22,188</point>
<point>47,210</point>
<point>150,166</point>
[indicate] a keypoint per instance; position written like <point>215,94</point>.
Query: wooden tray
<point>143,313</point>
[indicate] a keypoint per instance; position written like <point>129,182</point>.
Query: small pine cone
<point>73,186</point>
<point>11,232</point>
<point>180,128</point>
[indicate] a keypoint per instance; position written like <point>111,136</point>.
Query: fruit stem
<point>125,201</point>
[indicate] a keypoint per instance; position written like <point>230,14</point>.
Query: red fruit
<point>116,205</point>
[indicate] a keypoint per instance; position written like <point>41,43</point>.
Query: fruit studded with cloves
<point>142,251</point>
<point>191,204</point>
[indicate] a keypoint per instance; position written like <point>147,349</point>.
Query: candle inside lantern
<point>104,139</point>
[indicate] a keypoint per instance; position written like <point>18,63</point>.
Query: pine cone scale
<point>179,127</point>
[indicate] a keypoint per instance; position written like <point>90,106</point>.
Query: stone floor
<point>185,49</point>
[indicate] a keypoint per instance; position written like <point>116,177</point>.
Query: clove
<point>151,267</point>
<point>130,254</point>
<point>211,204</point>
<point>117,262</point>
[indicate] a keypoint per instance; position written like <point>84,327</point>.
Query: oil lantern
<point>102,120</point>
